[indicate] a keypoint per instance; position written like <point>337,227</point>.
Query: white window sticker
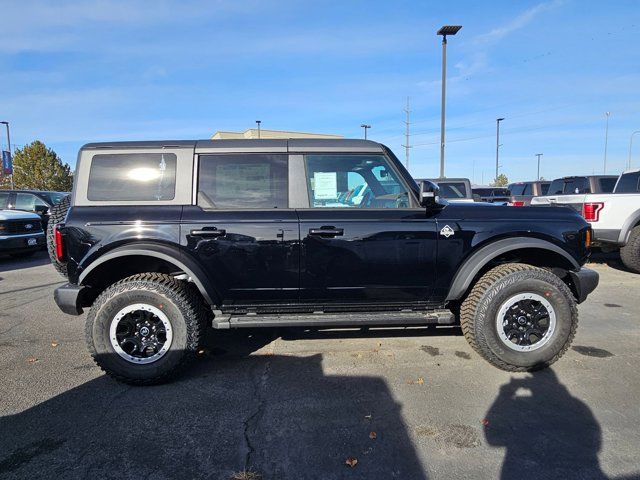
<point>325,185</point>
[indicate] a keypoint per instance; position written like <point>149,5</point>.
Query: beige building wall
<point>252,133</point>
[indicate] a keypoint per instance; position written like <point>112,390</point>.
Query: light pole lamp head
<point>4,123</point>
<point>499,119</point>
<point>364,125</point>
<point>448,30</point>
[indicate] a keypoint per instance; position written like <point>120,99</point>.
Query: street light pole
<point>9,148</point>
<point>606,141</point>
<point>631,145</point>
<point>258,122</point>
<point>366,127</point>
<point>498,120</point>
<point>538,155</point>
<point>444,31</point>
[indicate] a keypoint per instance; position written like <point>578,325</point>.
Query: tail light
<point>517,204</point>
<point>591,211</point>
<point>57,240</point>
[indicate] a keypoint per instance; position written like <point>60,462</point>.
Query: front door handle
<point>326,232</point>
<point>209,233</point>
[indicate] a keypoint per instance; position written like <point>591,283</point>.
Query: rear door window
<point>528,190</point>
<point>243,181</point>
<point>132,176</point>
<point>453,190</point>
<point>4,199</point>
<point>556,187</point>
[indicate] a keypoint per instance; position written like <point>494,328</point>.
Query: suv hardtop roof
<point>254,145</point>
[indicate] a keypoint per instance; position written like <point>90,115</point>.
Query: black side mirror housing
<point>429,194</point>
<point>41,209</point>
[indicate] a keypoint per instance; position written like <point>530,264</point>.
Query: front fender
<point>475,263</point>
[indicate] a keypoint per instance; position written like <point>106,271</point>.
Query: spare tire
<point>57,215</point>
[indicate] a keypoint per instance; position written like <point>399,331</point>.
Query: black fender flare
<point>470,268</point>
<point>631,221</point>
<point>164,252</point>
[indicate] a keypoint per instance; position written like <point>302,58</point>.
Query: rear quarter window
<point>132,176</point>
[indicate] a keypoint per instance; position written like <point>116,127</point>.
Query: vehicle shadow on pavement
<point>547,432</point>
<point>280,416</point>
<point>611,259</point>
<point>8,263</point>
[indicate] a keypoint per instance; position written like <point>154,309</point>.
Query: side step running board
<point>353,319</point>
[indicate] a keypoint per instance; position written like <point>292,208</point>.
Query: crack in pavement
<point>251,423</point>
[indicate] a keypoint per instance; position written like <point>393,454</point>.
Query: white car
<point>21,233</point>
<point>614,217</point>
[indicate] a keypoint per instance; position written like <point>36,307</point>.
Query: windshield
<point>53,197</point>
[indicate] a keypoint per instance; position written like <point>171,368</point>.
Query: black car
<point>36,201</point>
<point>165,239</point>
<point>499,195</point>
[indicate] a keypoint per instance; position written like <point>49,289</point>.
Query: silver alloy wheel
<point>526,322</point>
<point>141,333</point>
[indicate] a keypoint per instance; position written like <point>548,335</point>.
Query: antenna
<point>406,145</point>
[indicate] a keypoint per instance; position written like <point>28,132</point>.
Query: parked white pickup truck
<point>614,217</point>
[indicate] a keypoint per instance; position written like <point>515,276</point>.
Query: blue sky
<point>75,72</point>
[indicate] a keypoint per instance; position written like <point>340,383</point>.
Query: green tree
<point>37,167</point>
<point>500,181</point>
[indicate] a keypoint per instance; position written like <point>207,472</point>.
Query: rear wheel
<point>630,253</point>
<point>145,328</point>
<point>57,215</point>
<point>519,317</point>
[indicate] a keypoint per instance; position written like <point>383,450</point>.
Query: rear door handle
<point>326,232</point>
<point>209,233</point>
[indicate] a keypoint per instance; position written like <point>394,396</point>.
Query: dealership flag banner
<point>7,165</point>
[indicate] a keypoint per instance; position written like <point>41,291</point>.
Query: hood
<point>17,215</point>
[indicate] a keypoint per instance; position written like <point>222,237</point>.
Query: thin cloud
<point>517,23</point>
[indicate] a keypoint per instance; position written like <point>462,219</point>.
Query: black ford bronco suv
<point>165,239</point>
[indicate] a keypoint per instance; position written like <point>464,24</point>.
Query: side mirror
<point>41,209</point>
<point>429,194</point>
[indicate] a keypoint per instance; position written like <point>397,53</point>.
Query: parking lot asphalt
<point>294,404</point>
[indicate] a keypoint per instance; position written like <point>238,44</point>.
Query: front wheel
<point>145,328</point>
<point>519,317</point>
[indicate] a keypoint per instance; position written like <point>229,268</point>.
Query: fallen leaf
<point>54,344</point>
<point>32,360</point>
<point>351,462</point>
<point>379,344</point>
<point>373,435</point>
<point>484,422</point>
<point>420,381</point>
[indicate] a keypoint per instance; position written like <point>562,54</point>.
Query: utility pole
<point>6,124</point>
<point>444,31</point>
<point>631,145</point>
<point>606,140</point>
<point>366,127</point>
<point>498,120</point>
<point>406,145</point>
<point>258,122</point>
<point>538,155</point>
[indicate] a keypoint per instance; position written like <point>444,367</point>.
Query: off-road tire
<point>179,300</point>
<point>57,215</point>
<point>630,253</point>
<point>479,310</point>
